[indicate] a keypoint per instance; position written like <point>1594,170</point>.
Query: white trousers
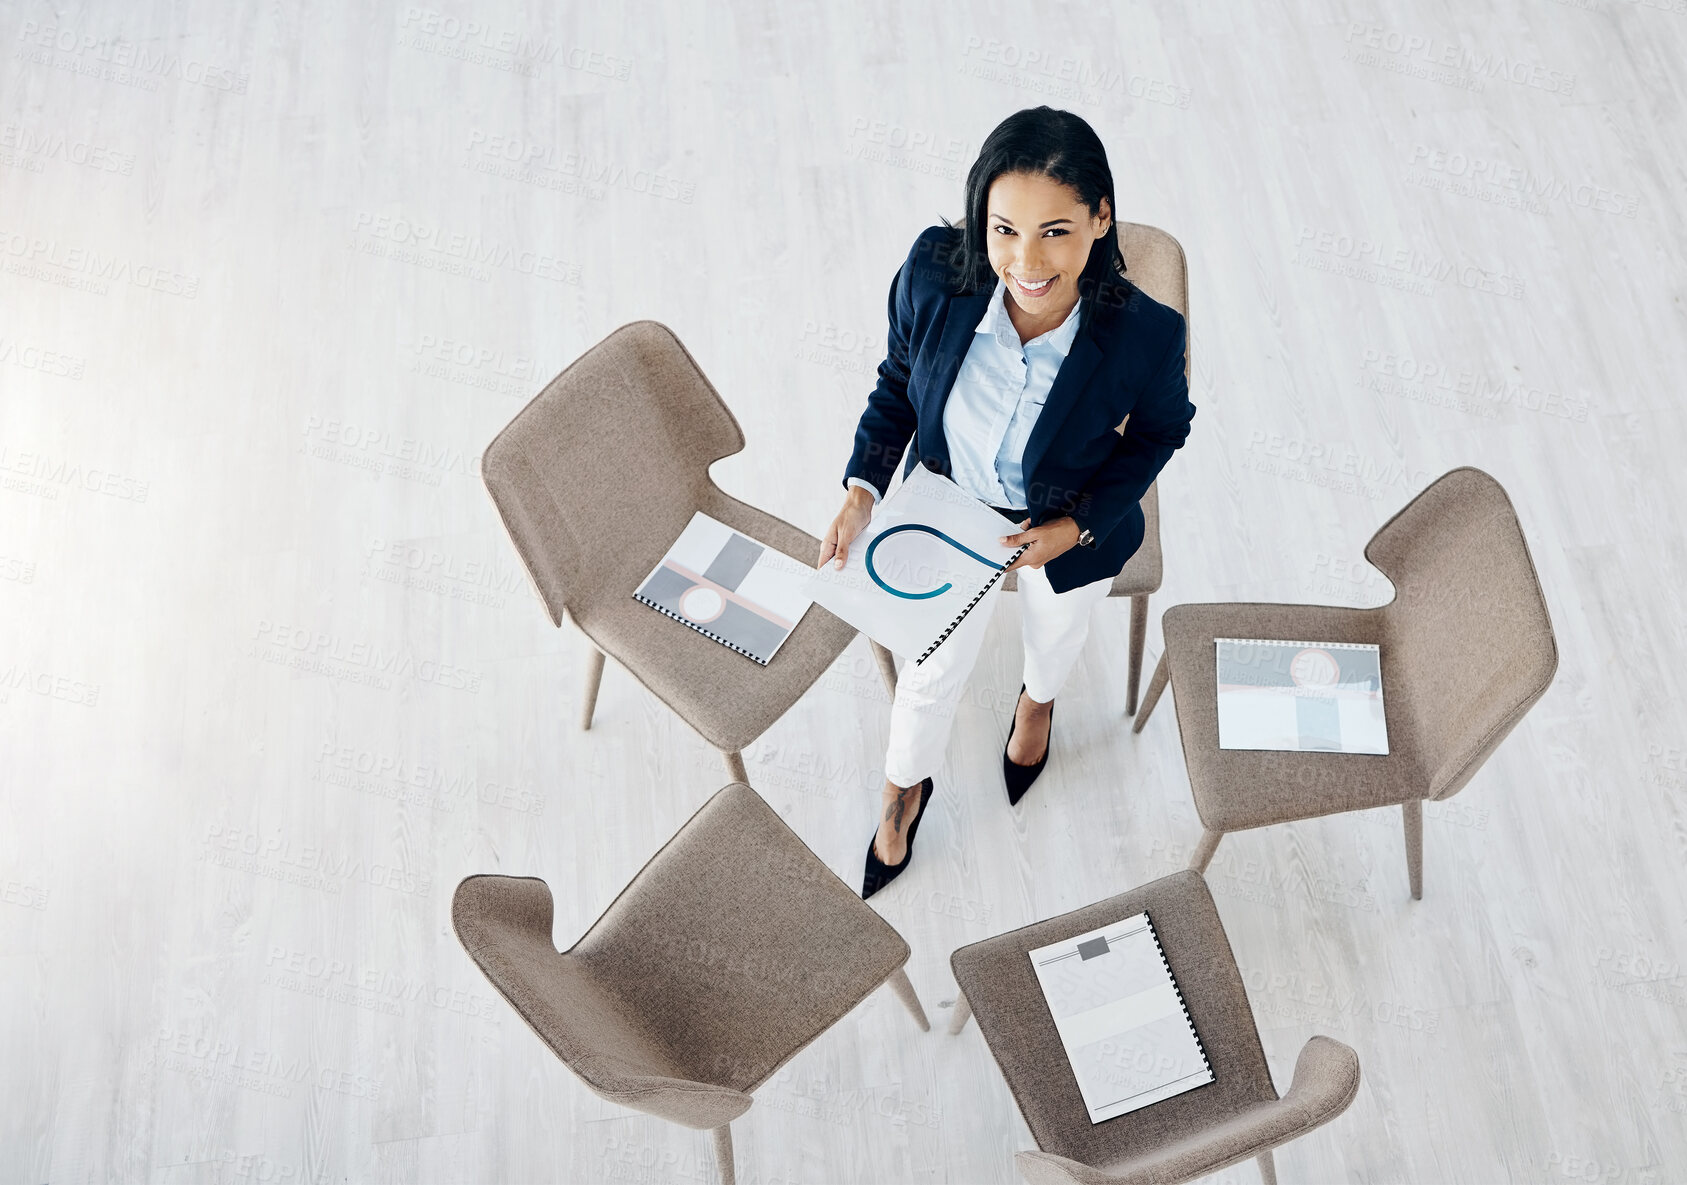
<point>1053,625</point>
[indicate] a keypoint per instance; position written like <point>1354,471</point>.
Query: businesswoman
<point>1016,348</point>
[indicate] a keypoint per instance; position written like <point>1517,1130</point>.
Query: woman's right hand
<point>851,520</point>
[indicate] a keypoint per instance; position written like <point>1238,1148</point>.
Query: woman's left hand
<point>1054,538</point>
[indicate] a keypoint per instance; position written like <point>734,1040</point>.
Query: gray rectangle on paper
<point>1319,720</point>
<point>748,630</point>
<point>734,562</point>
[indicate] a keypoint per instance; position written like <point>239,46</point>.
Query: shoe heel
<point>877,874</point>
<point>1019,777</point>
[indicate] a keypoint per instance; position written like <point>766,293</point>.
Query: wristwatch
<point>1085,539</point>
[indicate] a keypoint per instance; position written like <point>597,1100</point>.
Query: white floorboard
<point>246,371</point>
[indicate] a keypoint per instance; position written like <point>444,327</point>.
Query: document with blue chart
<point>1121,1018</point>
<point>1300,697</point>
<point>928,556</point>
<point>728,587</point>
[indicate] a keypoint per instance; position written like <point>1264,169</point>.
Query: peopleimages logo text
<point>131,57</point>
<point>35,252</point>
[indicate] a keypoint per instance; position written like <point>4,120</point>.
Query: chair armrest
<point>1326,1080</point>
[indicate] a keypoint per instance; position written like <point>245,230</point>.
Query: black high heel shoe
<point>878,874</point>
<point>1019,777</point>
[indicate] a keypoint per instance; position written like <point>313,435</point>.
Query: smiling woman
<point>1016,346</point>
<point>1039,208</point>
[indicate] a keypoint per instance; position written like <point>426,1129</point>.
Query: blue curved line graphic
<point>959,546</point>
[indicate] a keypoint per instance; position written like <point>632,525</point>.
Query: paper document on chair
<point>1121,1018</point>
<point>728,587</point>
<point>1301,697</point>
<point>919,567</point>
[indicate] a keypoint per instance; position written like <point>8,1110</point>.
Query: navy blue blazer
<point>1127,359</point>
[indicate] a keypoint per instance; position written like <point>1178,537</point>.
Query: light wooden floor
<point>272,682</point>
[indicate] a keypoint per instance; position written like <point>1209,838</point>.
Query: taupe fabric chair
<point>732,949</point>
<point>1155,263</point>
<point>1236,1117</point>
<point>1466,649</point>
<point>595,478</point>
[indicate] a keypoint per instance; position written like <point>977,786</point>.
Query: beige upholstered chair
<point>1466,649</point>
<point>1236,1117</point>
<point>1155,263</point>
<point>595,478</point>
<point>729,952</point>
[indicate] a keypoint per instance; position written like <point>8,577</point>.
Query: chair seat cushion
<point>1000,984</point>
<point>1235,789</point>
<point>728,698</point>
<point>735,946</point>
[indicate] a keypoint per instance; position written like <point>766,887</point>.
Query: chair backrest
<point>1325,1084</point>
<point>608,462</point>
<point>1155,263</point>
<point>505,924</point>
<point>1468,628</point>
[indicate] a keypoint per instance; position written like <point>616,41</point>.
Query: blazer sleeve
<point>1158,426</point>
<point>889,421</point>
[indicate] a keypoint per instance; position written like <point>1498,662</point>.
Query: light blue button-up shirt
<point>998,394</point>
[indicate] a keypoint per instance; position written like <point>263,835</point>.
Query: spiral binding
<point>706,633</point>
<point>961,616</point>
<point>1181,1003</point>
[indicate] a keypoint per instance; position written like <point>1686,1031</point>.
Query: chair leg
<point>723,1154</point>
<point>1204,851</point>
<point>1267,1168</point>
<point>594,676</point>
<point>1411,813</point>
<point>887,667</point>
<point>735,766</point>
<point>1156,685</point>
<point>963,1013</point>
<point>1139,636</point>
<point>905,992</point>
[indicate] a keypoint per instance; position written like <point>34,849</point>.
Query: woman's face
<point>1039,235</point>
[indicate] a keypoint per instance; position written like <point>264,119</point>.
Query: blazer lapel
<point>961,320</point>
<point>1075,370</point>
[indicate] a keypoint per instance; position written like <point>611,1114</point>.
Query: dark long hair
<point>1062,147</point>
